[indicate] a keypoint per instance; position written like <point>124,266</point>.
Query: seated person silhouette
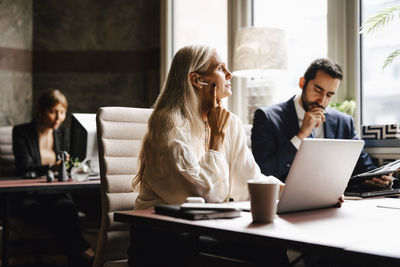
<point>35,146</point>
<point>278,130</point>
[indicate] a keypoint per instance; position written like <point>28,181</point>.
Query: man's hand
<point>313,118</point>
<point>340,201</point>
<point>385,181</point>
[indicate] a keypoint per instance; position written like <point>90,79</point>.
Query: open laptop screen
<point>319,174</point>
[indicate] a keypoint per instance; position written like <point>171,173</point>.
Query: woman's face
<point>54,117</point>
<point>219,75</point>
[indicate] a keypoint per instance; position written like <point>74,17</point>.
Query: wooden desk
<point>359,231</point>
<point>15,184</point>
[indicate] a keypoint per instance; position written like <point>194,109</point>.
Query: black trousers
<point>57,213</point>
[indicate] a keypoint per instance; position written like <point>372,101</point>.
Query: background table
<point>16,184</point>
<point>359,231</point>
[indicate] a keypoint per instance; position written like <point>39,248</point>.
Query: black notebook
<point>377,193</point>
<point>197,213</point>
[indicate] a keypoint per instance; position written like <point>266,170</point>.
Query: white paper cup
<point>263,200</point>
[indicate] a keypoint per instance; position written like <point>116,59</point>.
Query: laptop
<point>319,174</point>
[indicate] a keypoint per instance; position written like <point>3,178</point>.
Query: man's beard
<point>309,105</point>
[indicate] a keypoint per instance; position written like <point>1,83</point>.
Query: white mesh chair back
<point>7,167</point>
<point>120,131</point>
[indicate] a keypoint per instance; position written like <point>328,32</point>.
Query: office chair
<point>120,132</point>
<point>7,168</point>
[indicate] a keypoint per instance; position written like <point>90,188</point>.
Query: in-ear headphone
<point>201,82</point>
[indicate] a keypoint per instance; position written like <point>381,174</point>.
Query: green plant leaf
<point>347,106</point>
<point>380,19</point>
<point>390,58</point>
<point>72,162</point>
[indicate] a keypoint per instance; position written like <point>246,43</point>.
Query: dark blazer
<point>26,147</point>
<point>275,126</point>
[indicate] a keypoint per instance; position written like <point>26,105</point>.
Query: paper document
<point>390,203</point>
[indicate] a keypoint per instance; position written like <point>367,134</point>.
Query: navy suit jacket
<point>275,126</point>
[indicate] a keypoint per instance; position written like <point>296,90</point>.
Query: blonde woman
<point>194,146</point>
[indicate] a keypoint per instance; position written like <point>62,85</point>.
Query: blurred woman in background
<point>35,146</point>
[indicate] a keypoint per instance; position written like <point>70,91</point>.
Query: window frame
<point>362,85</point>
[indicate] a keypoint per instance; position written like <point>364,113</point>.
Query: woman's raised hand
<point>218,118</point>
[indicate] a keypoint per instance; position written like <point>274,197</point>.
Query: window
<point>305,25</point>
<point>380,87</point>
<point>200,22</point>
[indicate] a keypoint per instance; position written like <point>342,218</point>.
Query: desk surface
<point>14,184</point>
<point>359,227</point>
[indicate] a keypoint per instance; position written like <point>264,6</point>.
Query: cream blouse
<point>182,170</point>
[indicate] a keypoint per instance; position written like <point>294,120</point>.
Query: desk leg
<point>6,229</point>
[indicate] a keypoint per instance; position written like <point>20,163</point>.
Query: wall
<point>15,61</point>
<point>97,52</point>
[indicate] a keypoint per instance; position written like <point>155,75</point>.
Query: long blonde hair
<point>178,104</point>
